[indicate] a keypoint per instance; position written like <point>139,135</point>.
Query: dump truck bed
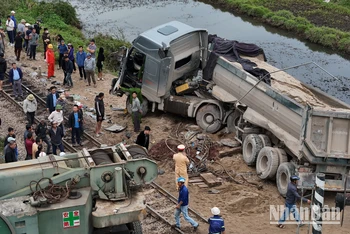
<point>306,119</point>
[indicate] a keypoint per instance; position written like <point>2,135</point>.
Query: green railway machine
<point>89,192</point>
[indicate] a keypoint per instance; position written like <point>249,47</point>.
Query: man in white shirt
<point>10,25</point>
<point>57,117</point>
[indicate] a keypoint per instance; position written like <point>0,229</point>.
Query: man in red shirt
<point>50,58</point>
<point>29,145</point>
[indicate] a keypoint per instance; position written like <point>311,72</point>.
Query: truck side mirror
<point>161,53</point>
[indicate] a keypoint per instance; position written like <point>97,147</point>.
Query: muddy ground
<point>244,207</point>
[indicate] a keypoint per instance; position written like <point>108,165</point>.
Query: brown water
<point>131,17</point>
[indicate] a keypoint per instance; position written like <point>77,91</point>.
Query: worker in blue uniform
<point>216,223</point>
<point>291,198</point>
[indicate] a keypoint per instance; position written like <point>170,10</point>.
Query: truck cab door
<point>150,79</point>
<point>164,73</point>
<point>124,58</point>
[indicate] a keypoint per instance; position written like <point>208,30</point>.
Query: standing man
<point>182,205</point>
<point>89,66</point>
<point>2,40</point>
<point>3,68</point>
<point>80,57</point>
<point>38,142</point>
<point>100,112</point>
<point>136,112</point>
<point>143,137</point>
<point>62,48</point>
<point>29,146</point>
<point>30,105</point>
<point>10,152</point>
<point>69,70</point>
<point>33,41</point>
<point>41,131</point>
<point>71,55</point>
<point>21,26</point>
<point>46,41</point>
<point>29,129</point>
<point>291,198</point>
<point>10,25</point>
<point>92,48</point>
<point>216,223</point>
<point>26,38</point>
<point>57,117</point>
<point>51,100</point>
<point>18,45</point>
<point>14,22</point>
<point>181,163</point>
<point>75,124</point>
<point>50,59</point>
<point>56,134</point>
<point>16,76</point>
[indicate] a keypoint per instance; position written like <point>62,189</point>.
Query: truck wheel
<point>137,227</point>
<point>265,140</point>
<point>208,118</point>
<point>267,163</point>
<point>252,145</point>
<point>282,155</point>
<point>233,120</point>
<point>144,106</point>
<point>284,172</point>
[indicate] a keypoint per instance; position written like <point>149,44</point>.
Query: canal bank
<point>282,48</point>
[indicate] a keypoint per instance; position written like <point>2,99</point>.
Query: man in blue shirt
<point>182,205</point>
<point>291,198</point>
<point>216,223</point>
<point>16,76</point>
<point>75,124</point>
<point>14,21</point>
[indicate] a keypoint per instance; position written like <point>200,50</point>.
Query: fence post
<point>317,205</point>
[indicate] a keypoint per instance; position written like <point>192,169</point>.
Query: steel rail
<point>174,200</point>
<point>157,215</point>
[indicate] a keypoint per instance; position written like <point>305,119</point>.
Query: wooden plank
<point>210,179</point>
<point>198,183</point>
<point>195,181</point>
<point>203,186</point>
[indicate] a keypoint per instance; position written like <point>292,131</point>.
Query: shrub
<point>277,20</point>
<point>329,40</point>
<point>314,34</point>
<point>284,13</point>
<point>344,44</point>
<point>245,8</point>
<point>258,11</point>
<point>291,25</point>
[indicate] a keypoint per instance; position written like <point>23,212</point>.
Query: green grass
<point>316,21</point>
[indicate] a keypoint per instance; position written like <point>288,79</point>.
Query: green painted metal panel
<point>68,217</point>
<point>4,228</point>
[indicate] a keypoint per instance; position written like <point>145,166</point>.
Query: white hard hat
<point>181,147</point>
<point>62,154</point>
<point>13,12</point>
<point>42,154</point>
<point>215,211</point>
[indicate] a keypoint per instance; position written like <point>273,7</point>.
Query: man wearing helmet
<point>291,198</point>
<point>216,223</point>
<point>182,205</point>
<point>50,59</point>
<point>181,163</point>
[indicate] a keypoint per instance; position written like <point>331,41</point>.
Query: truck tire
<point>267,163</point>
<point>208,118</point>
<point>282,155</point>
<point>137,227</point>
<point>284,172</point>
<point>233,120</point>
<point>144,106</point>
<point>252,145</point>
<point>265,140</point>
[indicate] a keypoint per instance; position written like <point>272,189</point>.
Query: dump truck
<point>91,191</point>
<point>285,128</point>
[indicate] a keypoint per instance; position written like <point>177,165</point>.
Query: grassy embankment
<point>60,18</point>
<point>327,24</point>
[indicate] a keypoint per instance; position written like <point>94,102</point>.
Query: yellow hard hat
<point>50,46</point>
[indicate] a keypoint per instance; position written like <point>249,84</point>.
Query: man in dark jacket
<point>100,112</point>
<point>143,137</point>
<point>63,64</point>
<point>292,197</point>
<point>41,131</point>
<point>16,76</point>
<point>51,100</point>
<point>56,134</point>
<point>68,68</point>
<point>10,152</point>
<point>75,123</point>
<point>3,67</point>
<point>46,40</point>
<point>18,45</point>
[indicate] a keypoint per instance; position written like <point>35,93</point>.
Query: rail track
<point>161,204</point>
<point>88,140</point>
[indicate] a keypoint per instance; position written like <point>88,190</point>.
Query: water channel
<point>131,17</point>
